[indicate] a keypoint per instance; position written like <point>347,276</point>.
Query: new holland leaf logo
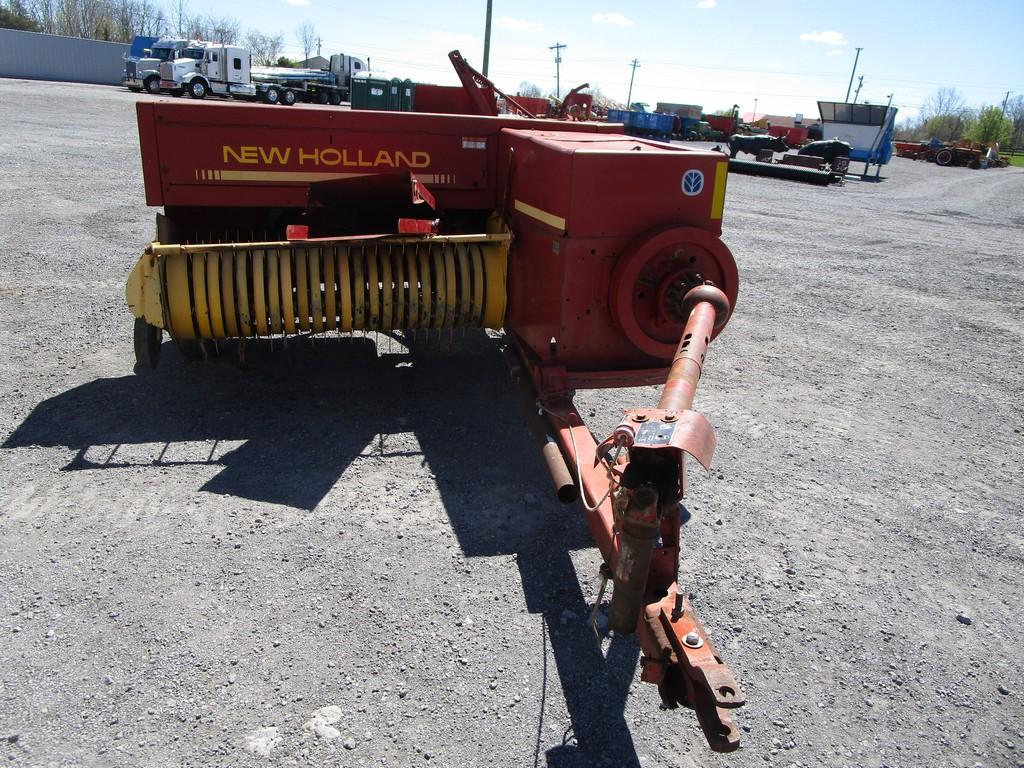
<point>693,183</point>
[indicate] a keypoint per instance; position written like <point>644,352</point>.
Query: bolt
<point>677,610</point>
<point>669,417</point>
<point>692,639</point>
<point>639,417</point>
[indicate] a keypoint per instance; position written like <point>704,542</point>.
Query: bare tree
<point>224,29</point>
<point>945,115</point>
<point>44,13</point>
<point>526,88</point>
<point>180,17</point>
<point>945,101</point>
<point>306,33</point>
<point>265,49</point>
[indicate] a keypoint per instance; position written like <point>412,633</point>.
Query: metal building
<point>35,56</point>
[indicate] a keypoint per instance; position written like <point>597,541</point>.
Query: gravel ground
<point>342,555</point>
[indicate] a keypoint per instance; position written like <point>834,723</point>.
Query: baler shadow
<point>285,427</point>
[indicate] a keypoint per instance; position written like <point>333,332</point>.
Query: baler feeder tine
<point>259,292</point>
<point>345,288</point>
<point>284,269</point>
<point>242,288</point>
<point>274,292</point>
<point>302,292</point>
<point>199,294</point>
<point>330,289</point>
<point>316,301</point>
<point>386,286</point>
<point>373,290</point>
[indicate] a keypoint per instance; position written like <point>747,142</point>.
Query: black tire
<point>147,339</point>
<point>321,97</point>
<point>271,95</point>
<point>152,84</point>
<point>944,156</point>
<point>287,97</point>
<point>334,99</point>
<point>198,89</point>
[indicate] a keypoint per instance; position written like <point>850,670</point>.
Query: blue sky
<point>786,53</point>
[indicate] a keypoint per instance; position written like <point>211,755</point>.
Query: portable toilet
<point>407,95</point>
<point>369,92</point>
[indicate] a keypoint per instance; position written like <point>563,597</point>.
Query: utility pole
<point>1004,103</point>
<point>629,98</point>
<point>318,43</point>
<point>855,60</point>
<point>856,93</point>
<point>487,37</point>
<point>755,112</point>
<point>557,48</point>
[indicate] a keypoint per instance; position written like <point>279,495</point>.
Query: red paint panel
<point>442,99</point>
<point>150,156</point>
<point>596,182</point>
<point>613,194</point>
<point>228,154</point>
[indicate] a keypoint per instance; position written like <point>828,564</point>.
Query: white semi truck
<point>319,86</point>
<point>226,70</point>
<point>142,73</point>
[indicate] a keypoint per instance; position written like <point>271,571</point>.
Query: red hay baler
<point>598,255</point>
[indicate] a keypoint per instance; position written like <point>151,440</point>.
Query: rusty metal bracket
<point>689,671</point>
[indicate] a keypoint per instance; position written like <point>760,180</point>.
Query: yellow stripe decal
<point>543,216</point>
<point>285,176</point>
<point>718,197</point>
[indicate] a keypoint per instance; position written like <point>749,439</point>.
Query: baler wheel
<point>147,345</point>
<point>944,157</point>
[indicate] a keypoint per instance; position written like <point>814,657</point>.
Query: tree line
<point>946,116</point>
<point>121,20</point>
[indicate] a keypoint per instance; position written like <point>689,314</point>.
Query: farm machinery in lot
<point>964,153</point>
<point>598,254</point>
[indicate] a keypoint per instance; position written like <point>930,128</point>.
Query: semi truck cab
<point>143,72</point>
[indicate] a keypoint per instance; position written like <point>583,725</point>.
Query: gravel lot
<point>333,557</point>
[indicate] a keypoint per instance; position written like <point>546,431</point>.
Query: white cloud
<point>298,2</point>
<point>515,25</point>
<point>612,18</point>
<point>707,4</point>
<point>836,52</point>
<point>828,37</point>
